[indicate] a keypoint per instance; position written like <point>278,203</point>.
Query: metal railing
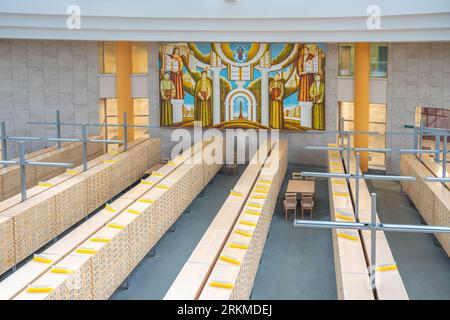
<point>22,162</point>
<point>373,227</point>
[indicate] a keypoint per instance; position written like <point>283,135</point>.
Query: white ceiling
<point>217,20</point>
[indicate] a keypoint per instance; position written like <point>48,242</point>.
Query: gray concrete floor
<point>297,263</point>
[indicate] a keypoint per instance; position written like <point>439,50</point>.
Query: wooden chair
<point>290,203</point>
<point>307,203</point>
<point>296,176</point>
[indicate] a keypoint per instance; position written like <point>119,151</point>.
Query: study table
<point>301,186</point>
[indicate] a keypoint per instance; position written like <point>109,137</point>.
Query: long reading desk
<point>389,282</point>
<point>102,252</point>
<point>255,188</point>
<point>432,199</point>
<point>68,198</point>
<point>352,277</point>
<point>193,275</point>
<point>234,272</point>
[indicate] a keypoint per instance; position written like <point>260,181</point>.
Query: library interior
<point>221,151</point>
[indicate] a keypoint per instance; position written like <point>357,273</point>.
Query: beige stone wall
<point>418,75</point>
<point>39,77</point>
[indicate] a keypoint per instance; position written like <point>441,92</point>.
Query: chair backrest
<point>311,178</point>
<point>296,176</point>
<point>308,201</point>
<point>291,197</point>
<point>307,196</point>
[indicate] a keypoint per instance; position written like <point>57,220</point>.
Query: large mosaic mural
<point>243,85</point>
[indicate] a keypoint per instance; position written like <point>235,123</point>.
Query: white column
<point>177,114</point>
<point>264,96</point>
<point>306,114</point>
<point>216,94</point>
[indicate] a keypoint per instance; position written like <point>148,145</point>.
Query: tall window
<point>140,106</point>
<point>139,57</point>
<point>107,57</point>
<point>109,115</point>
<point>378,60</point>
<point>433,118</point>
<point>346,59</point>
<point>108,110</point>
<point>377,122</point>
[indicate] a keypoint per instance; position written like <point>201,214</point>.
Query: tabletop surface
<point>301,186</point>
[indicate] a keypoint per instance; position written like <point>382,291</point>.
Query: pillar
<point>361,106</point>
<point>123,86</point>
<point>216,94</point>
<point>265,96</point>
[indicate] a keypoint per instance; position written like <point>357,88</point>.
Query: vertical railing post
<point>437,148</point>
<point>125,132</point>
<point>357,176</point>
<point>23,176</point>
<point>4,145</point>
<point>348,153</point>
<point>373,240</point>
<point>341,125</point>
<point>84,137</point>
<point>444,156</point>
<point>420,139</point>
<point>416,140</point>
<point>58,129</point>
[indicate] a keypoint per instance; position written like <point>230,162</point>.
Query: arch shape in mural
<point>248,100</point>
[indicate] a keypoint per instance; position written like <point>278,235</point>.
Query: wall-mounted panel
<point>377,87</point>
<point>345,89</point>
<point>107,85</point>
<point>243,85</point>
<point>139,86</point>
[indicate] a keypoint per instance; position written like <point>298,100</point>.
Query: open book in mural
<point>243,85</point>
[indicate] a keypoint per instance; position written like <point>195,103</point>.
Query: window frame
<point>352,62</point>
<point>352,121</point>
<point>104,64</point>
<point>141,116</point>
<point>133,65</point>
<point>376,45</point>
<point>107,117</point>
